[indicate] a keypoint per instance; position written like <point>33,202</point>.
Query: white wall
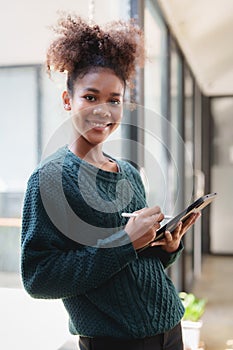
<point>24,25</point>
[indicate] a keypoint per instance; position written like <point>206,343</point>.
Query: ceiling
<point>204,31</point>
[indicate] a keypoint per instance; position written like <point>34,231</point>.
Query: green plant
<point>194,307</point>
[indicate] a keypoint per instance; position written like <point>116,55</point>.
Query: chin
<point>95,141</point>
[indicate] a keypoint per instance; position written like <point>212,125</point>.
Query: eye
<point>115,102</point>
<point>90,98</point>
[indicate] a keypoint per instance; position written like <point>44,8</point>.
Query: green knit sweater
<point>74,247</point>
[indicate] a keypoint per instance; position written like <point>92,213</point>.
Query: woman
<point>75,243</point>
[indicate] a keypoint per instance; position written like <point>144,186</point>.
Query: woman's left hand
<point>172,240</point>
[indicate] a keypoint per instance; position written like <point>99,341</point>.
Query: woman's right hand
<point>142,228</point>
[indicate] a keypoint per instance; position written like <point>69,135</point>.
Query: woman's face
<point>96,104</point>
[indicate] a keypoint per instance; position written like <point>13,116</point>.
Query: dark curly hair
<point>81,46</point>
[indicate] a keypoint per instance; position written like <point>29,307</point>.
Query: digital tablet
<point>195,207</point>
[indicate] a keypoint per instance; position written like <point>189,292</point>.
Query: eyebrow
<point>89,89</point>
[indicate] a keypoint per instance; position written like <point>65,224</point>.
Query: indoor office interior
<point>179,135</point>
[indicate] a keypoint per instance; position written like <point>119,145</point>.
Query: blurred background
<point>185,100</point>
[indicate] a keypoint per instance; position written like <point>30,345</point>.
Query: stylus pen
<point>130,215</point>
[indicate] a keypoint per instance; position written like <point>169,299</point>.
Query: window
<point>189,128</point>
<point>18,127</point>
<point>18,134</point>
<point>155,124</point>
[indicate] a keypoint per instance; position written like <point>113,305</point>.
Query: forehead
<point>102,79</point>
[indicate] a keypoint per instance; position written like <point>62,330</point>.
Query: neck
<point>91,154</point>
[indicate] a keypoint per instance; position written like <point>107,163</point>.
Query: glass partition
<point>222,174</point>
<point>188,170</point>
<point>155,124</point>
<point>18,155</point>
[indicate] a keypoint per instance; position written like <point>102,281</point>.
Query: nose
<point>102,111</point>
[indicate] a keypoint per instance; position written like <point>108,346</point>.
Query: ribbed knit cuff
<point>166,258</point>
<point>173,254</point>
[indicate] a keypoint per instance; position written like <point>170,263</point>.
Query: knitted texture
<point>74,247</point>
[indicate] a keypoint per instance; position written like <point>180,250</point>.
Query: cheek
<point>79,115</point>
<point>117,114</point>
<point>82,110</point>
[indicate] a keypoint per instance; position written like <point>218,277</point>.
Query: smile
<point>98,124</point>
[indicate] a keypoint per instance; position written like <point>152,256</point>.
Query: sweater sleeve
<point>167,259</point>
<point>53,265</point>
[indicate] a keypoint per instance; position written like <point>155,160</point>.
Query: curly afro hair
<point>81,46</point>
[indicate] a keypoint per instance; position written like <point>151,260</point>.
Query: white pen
<point>130,215</point>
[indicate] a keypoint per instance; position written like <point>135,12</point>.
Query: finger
<point>161,217</point>
<point>192,218</point>
<point>151,211</point>
<point>177,232</point>
<point>198,215</point>
<point>156,225</point>
<point>158,243</point>
<point>139,211</point>
<point>189,222</point>
<point>150,218</point>
<point>168,239</point>
<point>168,236</point>
<point>158,217</point>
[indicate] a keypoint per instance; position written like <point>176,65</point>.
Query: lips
<point>98,124</point>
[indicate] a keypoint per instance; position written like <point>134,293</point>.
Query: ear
<point>66,100</point>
